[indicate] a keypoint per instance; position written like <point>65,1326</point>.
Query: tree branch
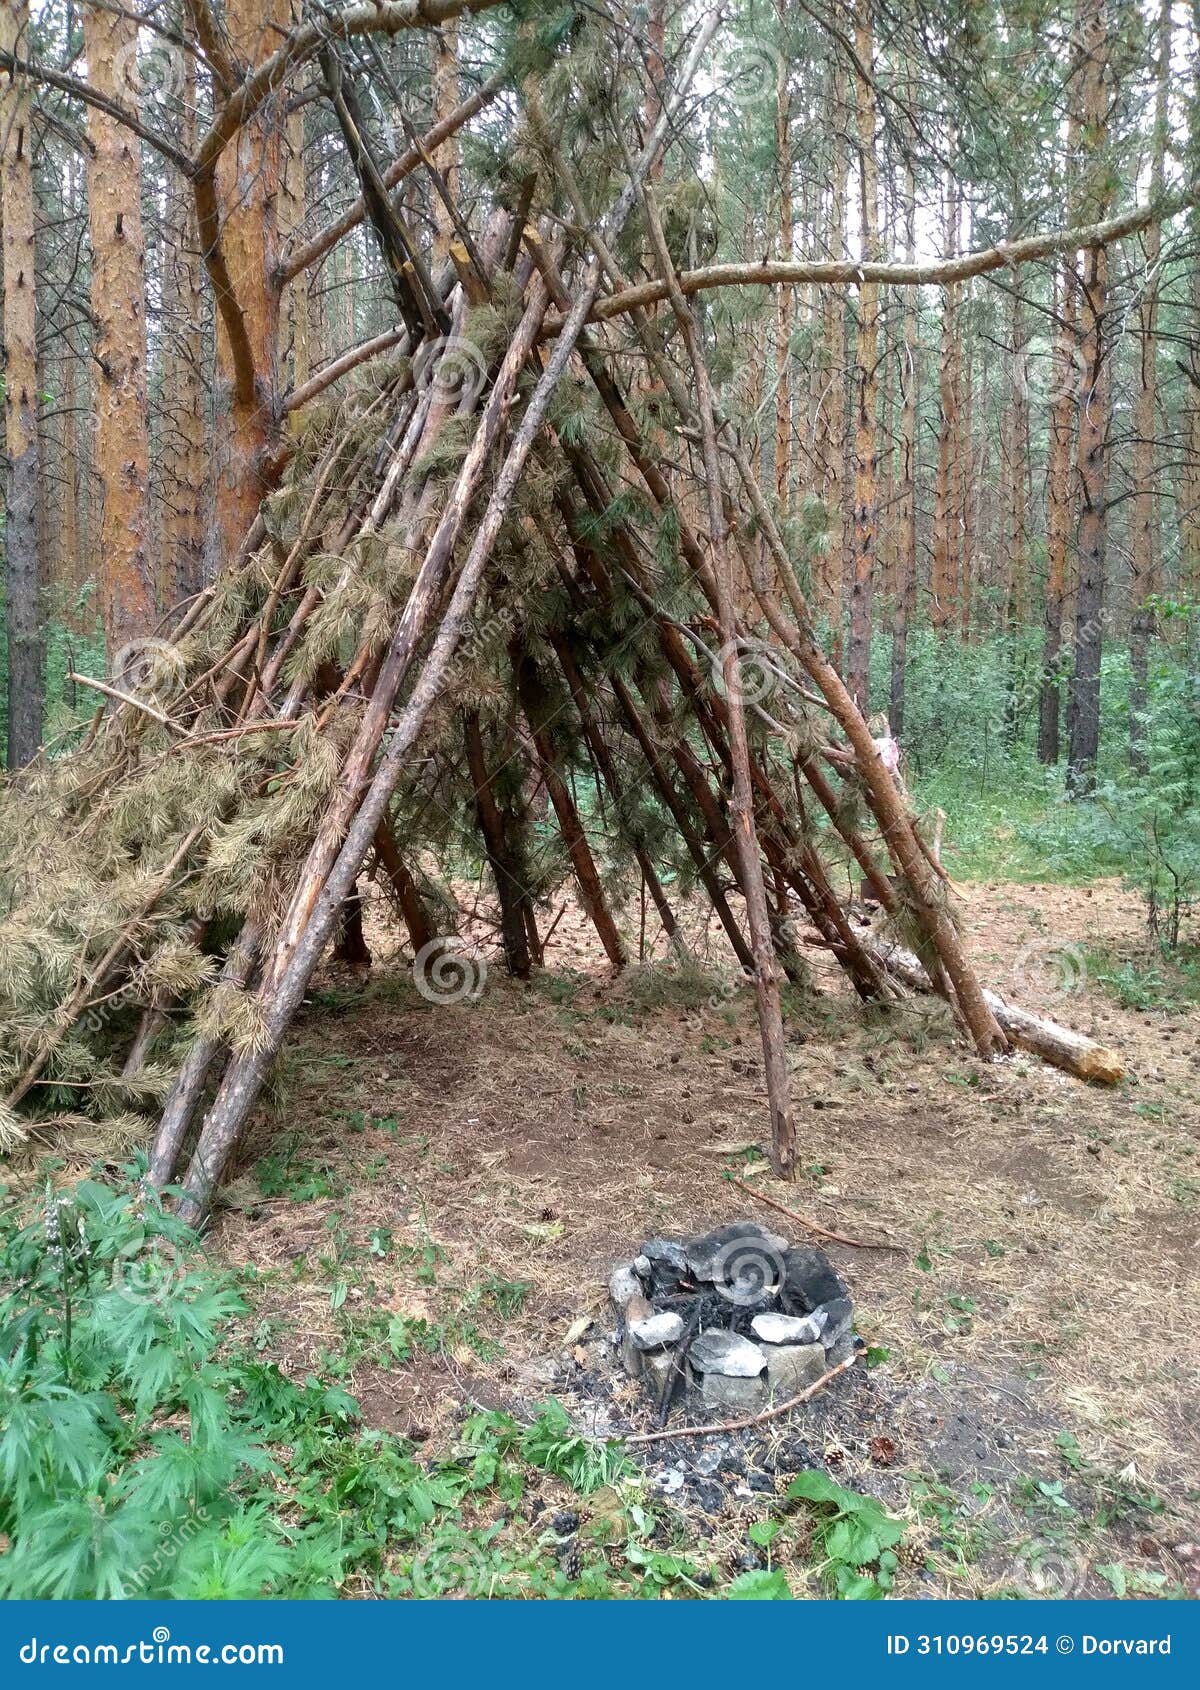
<point>80,90</point>
<point>847,273</point>
<point>408,161</point>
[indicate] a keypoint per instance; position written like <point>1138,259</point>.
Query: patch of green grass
<point>1168,983</point>
<point>506,1296</point>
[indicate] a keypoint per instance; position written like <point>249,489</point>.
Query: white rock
<point>786,1329</point>
<point>654,1331</point>
<point>623,1286</point>
<point>725,1353</point>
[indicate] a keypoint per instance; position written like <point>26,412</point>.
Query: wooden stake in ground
<point>766,980</point>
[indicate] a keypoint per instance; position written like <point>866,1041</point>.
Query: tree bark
<point>247,192</point>
<point>831,398</point>
<point>125,566</point>
<point>946,495</point>
<point>23,486</point>
<point>1145,540</point>
<point>1095,415</point>
<point>445,101</point>
<point>1016,454</point>
<point>906,539</point>
<point>866,374</point>
<point>184,458</point>
<point>785,303</point>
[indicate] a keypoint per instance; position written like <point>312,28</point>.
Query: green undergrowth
<point>970,743</point>
<point>1161,980</point>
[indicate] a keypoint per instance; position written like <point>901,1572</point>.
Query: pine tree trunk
<point>184,456</point>
<point>966,486</point>
<point>1059,505</point>
<point>832,399</point>
<point>866,376</point>
<point>445,98</point>
<point>1016,453</point>
<point>785,303</point>
<point>1095,414</point>
<point>72,571</point>
<point>1189,479</point>
<point>23,485</point>
<point>247,192</point>
<point>126,566</point>
<point>294,202</point>
<point>906,540</point>
<point>1144,542</point>
<point>946,502</point>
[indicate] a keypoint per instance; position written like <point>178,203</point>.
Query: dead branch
<point>813,1390</point>
<point>813,1226</point>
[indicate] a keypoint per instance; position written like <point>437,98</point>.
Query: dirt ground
<point>1032,1325</point>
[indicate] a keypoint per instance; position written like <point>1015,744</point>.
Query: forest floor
<point>433,1205</point>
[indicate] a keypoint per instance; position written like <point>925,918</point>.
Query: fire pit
<point>735,1320</point>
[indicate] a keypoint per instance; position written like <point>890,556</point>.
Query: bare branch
<point>847,273</point>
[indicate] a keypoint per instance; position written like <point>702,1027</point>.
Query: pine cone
<point>570,1559</point>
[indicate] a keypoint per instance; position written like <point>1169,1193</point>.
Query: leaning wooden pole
<point>766,980</point>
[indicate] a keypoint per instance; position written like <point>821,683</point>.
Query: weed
<point>853,1534</point>
<point>281,1175</point>
<point>506,1296</point>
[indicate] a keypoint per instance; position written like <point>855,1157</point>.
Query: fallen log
<point>1054,1043</point>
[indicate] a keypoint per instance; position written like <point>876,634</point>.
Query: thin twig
<point>814,1226</point>
<point>754,1420</point>
<point>126,698</point>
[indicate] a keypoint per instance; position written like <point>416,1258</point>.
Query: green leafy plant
<point>854,1535</point>
<point>553,1444</point>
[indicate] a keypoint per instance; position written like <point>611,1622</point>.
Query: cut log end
<point>1073,1052</point>
<point>1066,1049</point>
